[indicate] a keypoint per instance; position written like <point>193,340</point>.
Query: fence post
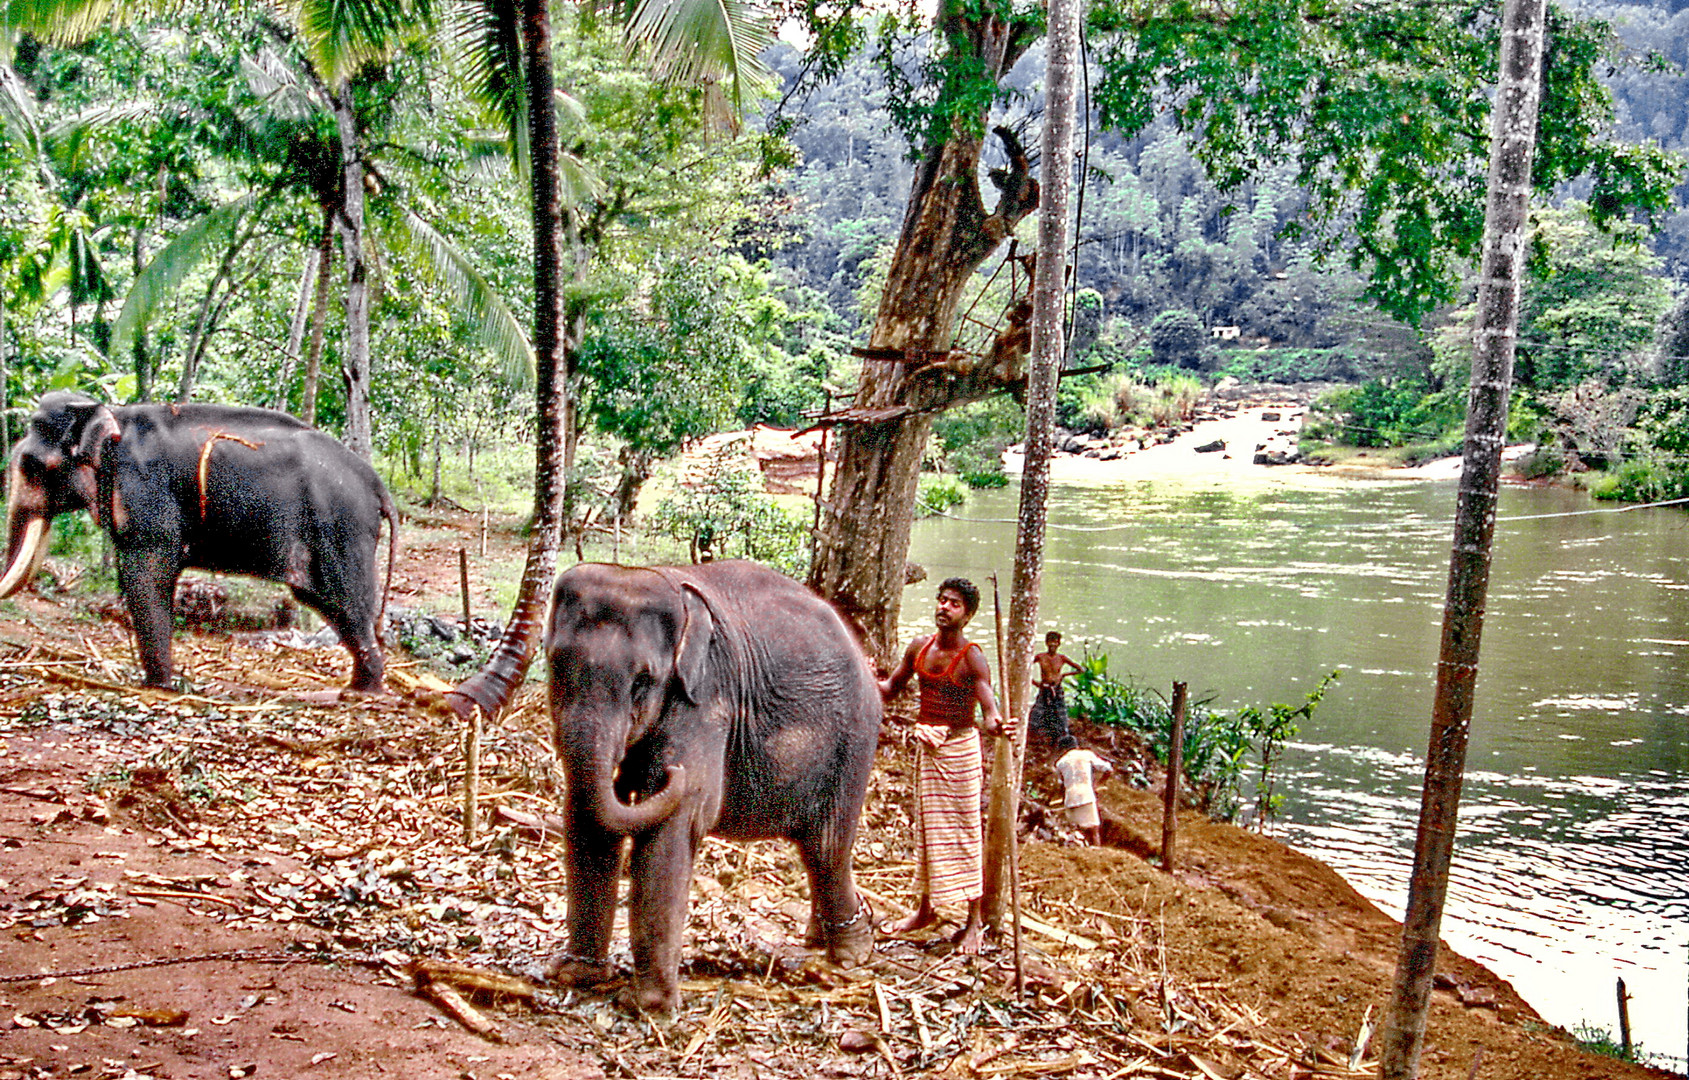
<point>1175,767</point>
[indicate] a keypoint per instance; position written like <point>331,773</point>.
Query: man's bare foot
<point>918,919</point>
<point>969,938</point>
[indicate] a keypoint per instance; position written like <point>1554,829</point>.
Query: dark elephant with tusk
<point>214,487</point>
<point>722,699</point>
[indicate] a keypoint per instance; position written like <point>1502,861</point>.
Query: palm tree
<point>281,135</point>
<point>339,40</point>
<point>1050,273</point>
<point>510,51</point>
<point>1513,142</point>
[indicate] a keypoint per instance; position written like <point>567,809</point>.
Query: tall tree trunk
<point>494,685</point>
<point>296,330</point>
<point>1048,317</point>
<point>142,347</point>
<point>319,319</point>
<point>354,362</point>
<point>1512,145</point>
<point>947,234</point>
<point>212,309</point>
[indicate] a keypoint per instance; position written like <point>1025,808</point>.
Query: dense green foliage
<point>164,187</point>
<point>1217,748</point>
<point>726,514</point>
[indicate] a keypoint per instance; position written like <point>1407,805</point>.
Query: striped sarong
<point>947,827</point>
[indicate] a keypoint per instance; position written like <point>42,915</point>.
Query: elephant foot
<point>848,943</point>
<point>651,996</point>
<point>567,969</point>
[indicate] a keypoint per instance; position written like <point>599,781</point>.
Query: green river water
<point>1572,862</point>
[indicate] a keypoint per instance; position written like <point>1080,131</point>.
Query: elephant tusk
<point>28,559</point>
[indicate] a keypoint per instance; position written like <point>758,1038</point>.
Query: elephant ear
<point>93,427</point>
<point>692,650</point>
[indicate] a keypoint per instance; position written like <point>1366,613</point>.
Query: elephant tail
<point>391,513</point>
<point>624,819</point>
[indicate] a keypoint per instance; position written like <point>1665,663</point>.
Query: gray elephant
<point>721,699</point>
<point>216,487</point>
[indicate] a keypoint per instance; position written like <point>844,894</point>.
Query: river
<point>1250,584</point>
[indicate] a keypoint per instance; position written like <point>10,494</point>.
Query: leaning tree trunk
<point>319,319</point>
<point>296,331</point>
<point>1048,311</point>
<point>947,234</point>
<point>354,365</point>
<point>1512,145</point>
<point>492,688</point>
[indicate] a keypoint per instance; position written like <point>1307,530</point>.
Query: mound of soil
<point>255,879</point>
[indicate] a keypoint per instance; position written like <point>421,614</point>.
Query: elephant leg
<point>593,856</point>
<point>838,916</point>
<point>147,579</point>
<point>357,634</point>
<point>662,880</point>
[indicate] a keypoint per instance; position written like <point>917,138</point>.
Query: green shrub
<point>1217,746</point>
<point>936,494</point>
<point>727,513</point>
<point>1642,480</point>
<point>1177,338</point>
<point>1594,1039</point>
<point>1292,365</point>
<point>76,537</point>
<point>974,437</point>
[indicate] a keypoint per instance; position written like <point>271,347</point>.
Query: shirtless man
<point>1049,711</point>
<point>954,680</point>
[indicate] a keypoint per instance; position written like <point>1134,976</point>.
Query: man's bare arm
<point>981,672</point>
<point>893,684</point>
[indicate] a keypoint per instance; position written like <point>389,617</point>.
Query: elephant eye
<point>642,683</point>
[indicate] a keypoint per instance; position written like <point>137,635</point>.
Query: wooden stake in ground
<point>463,582</point>
<point>1512,146</point>
<point>1175,769</point>
<point>1624,1024</point>
<point>1014,833</point>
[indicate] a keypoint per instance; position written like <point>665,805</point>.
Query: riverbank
<point>1244,442</point>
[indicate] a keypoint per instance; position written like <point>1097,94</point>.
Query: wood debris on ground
<point>346,817</point>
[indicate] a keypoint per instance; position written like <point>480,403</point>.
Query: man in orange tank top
<point>954,681</point>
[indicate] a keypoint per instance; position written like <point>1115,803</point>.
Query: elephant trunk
<point>26,529</point>
<point>592,782</point>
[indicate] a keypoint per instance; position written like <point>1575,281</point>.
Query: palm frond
<point>277,84</point>
<point>495,326</point>
<point>60,22</point>
<point>489,48</point>
<point>708,41</point>
<point>164,275</point>
<point>342,35</point>
<point>578,183</point>
<point>17,112</point>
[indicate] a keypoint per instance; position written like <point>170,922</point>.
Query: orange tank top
<point>944,700</point>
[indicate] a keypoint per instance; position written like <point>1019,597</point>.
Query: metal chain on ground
<point>262,956</point>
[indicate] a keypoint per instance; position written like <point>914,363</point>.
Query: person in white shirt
<point>1079,769</point>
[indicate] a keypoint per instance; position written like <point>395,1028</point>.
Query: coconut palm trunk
<point>355,364</point>
<point>492,688</point>
<point>1512,146</point>
<point>1048,347</point>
